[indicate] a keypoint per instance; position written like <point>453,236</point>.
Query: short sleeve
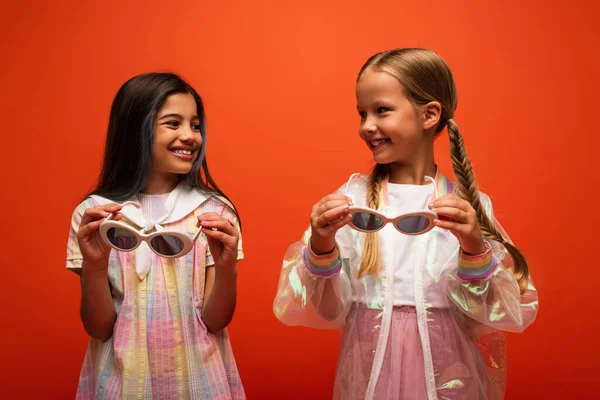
<point>225,209</point>
<point>74,257</point>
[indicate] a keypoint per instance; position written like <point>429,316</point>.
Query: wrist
<point>96,269</point>
<point>226,271</point>
<point>474,247</point>
<point>322,247</point>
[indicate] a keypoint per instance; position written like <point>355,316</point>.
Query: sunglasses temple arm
<point>198,232</point>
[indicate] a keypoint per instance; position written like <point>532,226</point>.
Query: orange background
<point>278,82</point>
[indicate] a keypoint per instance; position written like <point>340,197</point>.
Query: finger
<point>449,225</point>
<point>334,197</point>
<point>88,230</point>
<point>330,205</point>
<point>331,216</point>
<point>456,214</point>
<point>93,214</point>
<point>453,201</point>
<point>222,224</point>
<point>111,208</point>
<point>209,216</point>
<point>117,216</point>
<point>220,236</point>
<point>340,223</point>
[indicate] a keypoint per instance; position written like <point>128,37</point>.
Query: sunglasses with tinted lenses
<point>166,243</point>
<point>365,219</point>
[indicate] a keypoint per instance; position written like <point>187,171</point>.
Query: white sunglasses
<point>365,219</point>
<point>165,243</point>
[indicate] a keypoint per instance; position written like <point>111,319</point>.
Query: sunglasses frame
<point>428,214</point>
<point>108,223</point>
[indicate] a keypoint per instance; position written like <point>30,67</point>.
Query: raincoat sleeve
<point>311,295</point>
<point>490,295</point>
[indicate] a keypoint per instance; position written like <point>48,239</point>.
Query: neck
<point>161,183</point>
<point>414,172</point>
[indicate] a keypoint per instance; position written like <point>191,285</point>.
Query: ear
<point>432,113</point>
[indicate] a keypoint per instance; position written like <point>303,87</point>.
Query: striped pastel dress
<point>160,347</point>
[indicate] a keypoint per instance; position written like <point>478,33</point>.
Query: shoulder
<point>356,184</point>
<point>84,205</point>
<point>216,203</point>
<point>446,185</point>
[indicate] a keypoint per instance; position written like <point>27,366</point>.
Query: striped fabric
<point>323,265</point>
<point>473,267</point>
<point>160,347</point>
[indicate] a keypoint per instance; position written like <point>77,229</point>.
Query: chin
<point>383,160</point>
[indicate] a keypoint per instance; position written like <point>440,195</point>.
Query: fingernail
<point>104,214</point>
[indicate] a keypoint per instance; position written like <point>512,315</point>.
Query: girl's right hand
<point>327,216</point>
<point>94,250</point>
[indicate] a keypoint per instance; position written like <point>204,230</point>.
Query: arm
<point>220,285</point>
<point>484,288</point>
<point>97,309</point>
<point>87,255</point>
<point>312,295</point>
<point>220,292</point>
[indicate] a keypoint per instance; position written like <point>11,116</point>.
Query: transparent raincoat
<point>457,327</point>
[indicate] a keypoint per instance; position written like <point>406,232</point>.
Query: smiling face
<point>177,138</point>
<point>390,124</point>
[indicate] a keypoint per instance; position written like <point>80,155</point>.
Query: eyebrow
<point>175,116</point>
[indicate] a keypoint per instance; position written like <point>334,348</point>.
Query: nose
<point>368,127</point>
<point>186,134</point>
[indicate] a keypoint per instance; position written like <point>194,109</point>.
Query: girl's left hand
<point>459,217</point>
<point>222,239</point>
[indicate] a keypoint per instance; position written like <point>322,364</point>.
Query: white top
<point>406,198</point>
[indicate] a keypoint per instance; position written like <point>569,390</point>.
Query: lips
<point>181,151</point>
<point>377,143</point>
<point>185,154</point>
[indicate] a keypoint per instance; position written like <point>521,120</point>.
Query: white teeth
<point>375,143</point>
<point>186,152</point>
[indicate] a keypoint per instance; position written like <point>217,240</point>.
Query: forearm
<point>97,309</point>
<point>219,307</point>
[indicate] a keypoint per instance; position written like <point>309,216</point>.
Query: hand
<point>222,239</point>
<point>327,216</point>
<point>458,216</point>
<point>94,250</point>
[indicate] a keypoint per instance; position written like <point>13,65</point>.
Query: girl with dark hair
<point>156,246</point>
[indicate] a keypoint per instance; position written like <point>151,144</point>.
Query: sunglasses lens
<point>413,224</point>
<point>122,239</point>
<point>167,245</point>
<point>367,221</point>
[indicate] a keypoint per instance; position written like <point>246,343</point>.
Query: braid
<point>467,189</point>
<point>371,263</point>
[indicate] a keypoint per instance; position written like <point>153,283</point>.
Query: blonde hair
<point>425,77</point>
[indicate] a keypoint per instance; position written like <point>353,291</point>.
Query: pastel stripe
<point>332,268</point>
<point>470,274</point>
<point>323,260</point>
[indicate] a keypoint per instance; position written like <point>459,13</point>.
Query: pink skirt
<point>459,370</point>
